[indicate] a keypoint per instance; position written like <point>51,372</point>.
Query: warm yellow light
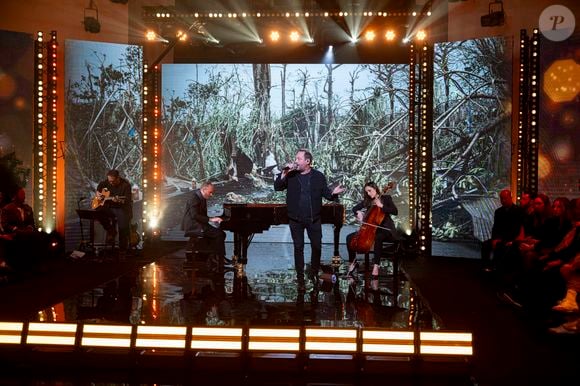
<point>337,340</point>
<point>274,36</point>
<point>396,342</point>
<point>150,35</point>
<point>294,36</point>
<point>51,333</point>
<point>446,343</point>
<point>161,337</point>
<point>10,332</point>
<point>274,339</point>
<point>421,35</point>
<point>103,335</point>
<point>390,35</point>
<point>370,36</point>
<point>216,338</point>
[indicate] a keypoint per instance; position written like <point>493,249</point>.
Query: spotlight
<point>274,36</point>
<point>495,16</point>
<point>294,36</point>
<point>150,35</point>
<point>91,20</point>
<point>92,25</point>
<point>421,35</point>
<point>390,35</point>
<point>370,36</point>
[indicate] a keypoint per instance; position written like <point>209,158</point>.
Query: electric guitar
<point>104,196</point>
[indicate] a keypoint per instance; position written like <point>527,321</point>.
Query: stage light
<point>62,334</point>
<point>150,35</point>
<point>270,339</point>
<point>92,25</point>
<point>274,36</point>
<point>330,340</point>
<point>388,342</point>
<point>353,39</point>
<point>370,36</point>
<point>11,332</point>
<point>294,36</point>
<point>104,335</point>
<point>91,20</point>
<point>495,16</point>
<point>161,337</point>
<point>390,35</point>
<point>446,343</point>
<point>216,338</point>
<point>421,35</point>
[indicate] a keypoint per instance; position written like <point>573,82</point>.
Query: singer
<point>305,188</point>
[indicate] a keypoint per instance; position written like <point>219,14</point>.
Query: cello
<point>364,239</point>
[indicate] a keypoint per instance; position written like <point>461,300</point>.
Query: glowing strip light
<point>216,338</point>
<point>331,340</point>
<point>52,129</point>
<point>169,13</point>
<point>392,342</point>
<point>39,125</point>
<point>522,123</point>
<point>62,334</point>
<point>411,140</point>
<point>103,335</point>
<point>146,124</point>
<point>274,339</point>
<point>446,343</point>
<point>161,337</point>
<point>11,332</point>
<point>534,107</point>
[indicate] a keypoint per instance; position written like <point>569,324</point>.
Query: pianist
<point>305,188</point>
<point>196,223</point>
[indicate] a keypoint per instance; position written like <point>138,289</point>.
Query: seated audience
<point>507,224</point>
<point>23,246</point>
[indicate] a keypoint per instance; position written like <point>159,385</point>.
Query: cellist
<point>373,200</point>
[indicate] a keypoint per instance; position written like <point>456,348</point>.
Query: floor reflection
<point>173,291</point>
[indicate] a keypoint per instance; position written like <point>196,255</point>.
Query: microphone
<point>292,166</point>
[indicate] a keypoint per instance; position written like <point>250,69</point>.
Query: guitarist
<point>117,208</point>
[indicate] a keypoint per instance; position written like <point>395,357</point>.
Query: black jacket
<point>195,218</point>
<point>123,189</point>
<point>389,208</point>
<point>318,189</point>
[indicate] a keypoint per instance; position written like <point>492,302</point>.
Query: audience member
<point>507,224</point>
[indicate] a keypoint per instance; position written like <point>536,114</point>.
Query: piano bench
<point>198,247</point>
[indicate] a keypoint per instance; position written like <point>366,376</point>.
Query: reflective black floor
<point>175,291</point>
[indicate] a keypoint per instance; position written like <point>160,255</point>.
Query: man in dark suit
<point>196,222</point>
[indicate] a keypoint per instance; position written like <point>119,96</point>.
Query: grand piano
<point>245,220</point>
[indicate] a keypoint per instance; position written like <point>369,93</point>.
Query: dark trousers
<point>314,231</point>
<point>112,218</point>
<point>214,237</point>
<point>380,236</point>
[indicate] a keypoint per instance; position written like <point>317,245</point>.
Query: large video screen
<point>471,141</point>
<point>103,86</point>
<point>236,124</point>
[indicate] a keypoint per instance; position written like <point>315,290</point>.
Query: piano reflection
<point>244,220</point>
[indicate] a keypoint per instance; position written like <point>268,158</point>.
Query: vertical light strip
<point>522,115</point>
<point>425,134</point>
<point>145,140</point>
<point>51,134</point>
<point>39,125</point>
<point>155,165</point>
<point>411,140</point>
<point>533,144</point>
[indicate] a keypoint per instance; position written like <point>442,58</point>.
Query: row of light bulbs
<point>230,15</point>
